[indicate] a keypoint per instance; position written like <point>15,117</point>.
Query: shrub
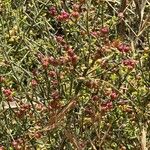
<point>74,75</point>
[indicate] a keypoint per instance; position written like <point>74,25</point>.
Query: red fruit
<point>52,74</point>
<point>56,62</point>
<point>110,105</point>
<point>120,15</point>
<point>104,108</point>
<point>20,141</point>
<point>37,135</point>
<point>53,11</point>
<point>7,92</point>
<point>54,104</point>
<point>123,48</point>
<point>126,62</point>
<point>60,18</point>
<point>95,33</point>
<point>76,7</point>
<point>132,63</point>
<point>89,111</point>
<point>113,95</point>
<point>20,113</point>
<point>129,63</point>
<point>26,106</point>
<point>126,48</point>
<point>105,30</point>
<point>63,16</point>
<point>34,83</point>
<point>60,40</point>
<point>74,59</point>
<point>70,52</point>
<point>51,60</point>
<point>15,144</point>
<point>75,14</point>
<point>45,62</point>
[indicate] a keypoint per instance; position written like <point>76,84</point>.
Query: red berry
<point>60,18</point>
<point>75,14</point>
<point>15,143</point>
<point>7,92</point>
<point>121,15</point>
<point>63,16</point>
<point>95,34</point>
<point>45,62</point>
<point>70,52</point>
<point>110,105</point>
<point>123,48</point>
<point>74,59</point>
<point>52,74</point>
<point>26,106</point>
<point>113,95</point>
<point>34,83</point>
<point>76,7</point>
<point>53,11</point>
<point>20,113</point>
<point>55,104</point>
<point>20,140</point>
<point>105,30</point>
<point>60,40</point>
<point>37,135</point>
<point>129,63</point>
<point>51,60</point>
<point>104,108</point>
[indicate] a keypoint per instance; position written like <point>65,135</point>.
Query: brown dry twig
<point>72,138</point>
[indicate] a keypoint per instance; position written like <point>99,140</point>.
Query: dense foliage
<point>74,74</point>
